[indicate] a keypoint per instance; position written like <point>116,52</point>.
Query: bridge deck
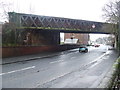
<point>29,21</point>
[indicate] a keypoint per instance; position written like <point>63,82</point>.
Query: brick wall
<point>83,38</point>
<point>27,50</point>
<point>39,37</point>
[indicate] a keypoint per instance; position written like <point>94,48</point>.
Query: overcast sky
<point>76,9</point>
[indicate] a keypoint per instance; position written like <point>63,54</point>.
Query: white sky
<point>93,37</point>
<point>76,9</point>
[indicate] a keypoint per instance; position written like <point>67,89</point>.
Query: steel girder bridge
<point>29,21</point>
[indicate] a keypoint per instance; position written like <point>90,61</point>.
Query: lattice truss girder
<point>28,20</point>
<point>54,22</point>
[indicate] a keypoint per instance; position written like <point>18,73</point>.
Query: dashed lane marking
<point>17,70</point>
<point>56,61</point>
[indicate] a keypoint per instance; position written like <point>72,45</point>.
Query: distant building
<point>1,23</point>
<point>71,41</point>
<point>79,38</point>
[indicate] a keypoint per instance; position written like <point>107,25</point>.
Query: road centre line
<point>17,70</point>
<point>72,57</point>
<point>98,59</point>
<point>56,61</point>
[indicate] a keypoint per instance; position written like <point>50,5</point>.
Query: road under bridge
<point>39,30</point>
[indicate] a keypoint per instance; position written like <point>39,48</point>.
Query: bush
<point>8,34</point>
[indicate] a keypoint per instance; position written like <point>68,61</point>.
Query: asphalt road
<point>67,70</point>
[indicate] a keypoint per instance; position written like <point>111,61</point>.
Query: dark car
<point>83,49</point>
<point>96,45</point>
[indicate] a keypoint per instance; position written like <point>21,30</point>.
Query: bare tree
<point>5,8</point>
<point>111,12</point>
<point>111,15</point>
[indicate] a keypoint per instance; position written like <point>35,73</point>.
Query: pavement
<point>11,60</point>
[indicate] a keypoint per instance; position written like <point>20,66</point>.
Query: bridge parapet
<point>30,21</point>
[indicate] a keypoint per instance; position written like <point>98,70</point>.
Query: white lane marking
<point>72,57</point>
<point>56,61</point>
<point>17,70</point>
<point>99,59</point>
<point>52,79</point>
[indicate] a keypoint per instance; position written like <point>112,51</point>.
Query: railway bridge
<point>37,30</point>
<point>50,27</point>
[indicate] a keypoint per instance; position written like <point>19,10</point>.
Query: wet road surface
<point>67,70</point>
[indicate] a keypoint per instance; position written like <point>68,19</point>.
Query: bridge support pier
<point>51,37</point>
<point>37,37</point>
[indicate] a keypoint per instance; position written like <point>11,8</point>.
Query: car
<point>83,49</point>
<point>96,45</point>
